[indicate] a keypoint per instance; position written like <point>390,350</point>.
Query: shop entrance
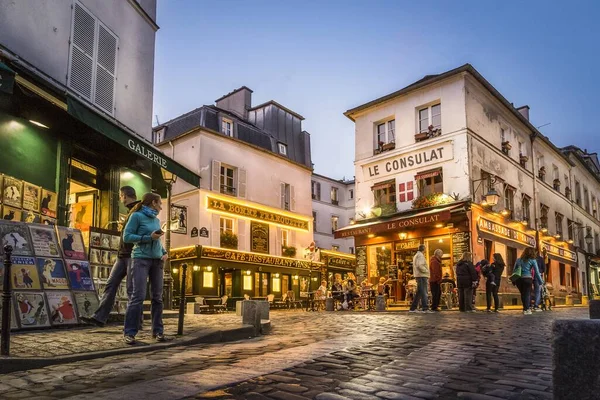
<point>443,243</point>
<point>83,195</point>
<point>261,284</point>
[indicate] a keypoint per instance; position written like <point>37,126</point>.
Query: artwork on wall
<point>13,318</point>
<point>48,203</point>
<point>87,303</point>
<point>178,219</point>
<point>71,243</point>
<point>30,217</point>
<point>11,214</point>
<point>12,192</point>
<point>44,241</point>
<point>32,311</point>
<point>24,273</point>
<point>31,197</point>
<point>62,309</point>
<point>52,273</point>
<point>48,221</point>
<point>79,275</point>
<point>16,235</point>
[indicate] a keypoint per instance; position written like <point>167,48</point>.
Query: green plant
<point>387,209</point>
<point>229,240</point>
<point>288,251</point>
<point>432,200</point>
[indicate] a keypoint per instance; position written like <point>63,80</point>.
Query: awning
<point>7,79</point>
<point>117,134</point>
<point>383,185</point>
<point>427,174</point>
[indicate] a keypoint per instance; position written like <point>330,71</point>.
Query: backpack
<point>486,269</point>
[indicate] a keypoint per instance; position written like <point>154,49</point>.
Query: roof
<point>234,91</point>
<point>342,181</point>
<point>585,159</point>
<point>273,102</point>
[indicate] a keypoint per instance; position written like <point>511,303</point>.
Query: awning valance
<point>428,174</point>
<point>138,146</point>
<point>383,185</point>
<point>7,79</point>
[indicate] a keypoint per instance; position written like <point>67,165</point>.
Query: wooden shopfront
<point>561,270</point>
<point>336,262</point>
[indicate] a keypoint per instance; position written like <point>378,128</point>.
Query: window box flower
<point>421,136</point>
<point>288,251</point>
<point>388,146</point>
<point>229,240</point>
<point>432,200</point>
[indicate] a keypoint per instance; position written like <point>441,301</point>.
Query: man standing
<point>421,274</point>
<point>537,288</point>
<point>435,280</point>
<point>120,269</point>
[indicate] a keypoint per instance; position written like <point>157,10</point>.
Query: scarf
<point>149,212</point>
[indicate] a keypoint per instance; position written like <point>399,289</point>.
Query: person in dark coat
<point>537,286</point>
<point>465,277</point>
<point>493,282</point>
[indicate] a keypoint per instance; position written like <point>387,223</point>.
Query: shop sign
<point>204,232</point>
<point>411,160</point>
<point>560,251</point>
<point>404,223</point>
<point>255,213</point>
<point>408,244</point>
<point>183,253</point>
<point>251,258</point>
<point>194,232</point>
<point>340,262</point>
<point>259,237</point>
<point>505,232</point>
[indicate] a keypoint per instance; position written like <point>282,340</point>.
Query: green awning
<point>7,79</point>
<point>139,147</point>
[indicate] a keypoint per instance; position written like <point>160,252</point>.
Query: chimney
<point>524,110</point>
<point>238,102</point>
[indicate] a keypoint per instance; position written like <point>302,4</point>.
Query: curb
<point>14,364</point>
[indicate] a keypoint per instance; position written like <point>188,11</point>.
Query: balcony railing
<point>230,190</point>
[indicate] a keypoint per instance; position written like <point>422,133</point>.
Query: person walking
<point>466,276</point>
<point>421,274</point>
<point>537,286</point>
<point>529,273</point>
<point>435,279</point>
<point>148,257</point>
<point>492,283</point>
<point>121,268</point>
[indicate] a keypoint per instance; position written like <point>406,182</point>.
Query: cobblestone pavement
<point>328,356</point>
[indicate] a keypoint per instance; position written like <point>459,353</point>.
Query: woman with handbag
<point>525,271</point>
<point>466,276</point>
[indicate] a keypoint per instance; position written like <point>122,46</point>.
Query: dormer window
<point>282,149</point>
<point>227,127</point>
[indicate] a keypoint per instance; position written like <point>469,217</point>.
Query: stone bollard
<point>594,309</point>
<point>576,347</point>
<point>263,308</point>
<point>380,303</point>
<point>329,304</point>
<point>251,315</point>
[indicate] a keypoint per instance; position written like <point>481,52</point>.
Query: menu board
<point>461,243</point>
<point>361,262</point>
<point>259,237</point>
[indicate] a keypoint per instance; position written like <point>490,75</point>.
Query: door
<point>261,284</point>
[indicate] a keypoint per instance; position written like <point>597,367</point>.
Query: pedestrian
<point>492,284</point>
<point>466,276</point>
<point>435,278</point>
<point>121,268</point>
<point>529,273</point>
<point>421,274</point>
<point>478,267</point>
<point>537,287</point>
<point>148,257</point>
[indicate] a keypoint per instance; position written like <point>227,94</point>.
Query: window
<point>559,223</point>
<point>351,250</point>
<point>226,225</point>
<point>286,196</point>
<point>544,215</point>
<point>577,193</point>
<point>334,196</point>
<point>594,207</point>
<point>433,114</point>
<point>571,237</point>
<point>335,247</point>
<point>541,168</point>
<point>93,59</point>
<point>334,223</point>
<point>158,136</point>
<point>430,182</point>
<point>276,283</point>
<point>227,127</point>
<point>285,238</point>
<point>509,199</point>
<point>586,199</point>
<point>282,149</point>
<point>522,155</point>
<point>351,194</point>
<point>526,207</point>
<point>555,173</point>
<point>208,279</point>
<point>314,221</point>
<point>561,269</point>
<point>227,180</point>
<point>504,141</point>
<point>580,235</point>
<point>386,132</point>
<point>384,193</point>
<point>502,135</point>
<point>590,247</point>
<point>597,241</point>
<point>247,282</point>
<point>315,188</point>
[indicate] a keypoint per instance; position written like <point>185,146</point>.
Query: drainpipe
<point>532,137</point>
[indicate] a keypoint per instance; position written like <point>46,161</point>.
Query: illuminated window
<point>208,279</point>
<point>285,237</point>
<point>276,284</point>
<point>226,225</point>
<point>247,282</point>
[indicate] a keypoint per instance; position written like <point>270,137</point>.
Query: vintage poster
<point>62,308</point>
<point>71,243</point>
<point>105,243</point>
<point>16,235</point>
<point>95,239</point>
<point>52,273</point>
<point>80,275</point>
<point>29,217</point>
<point>259,237</point>
<point>13,317</point>
<point>31,197</point>
<point>105,257</point>
<point>82,213</point>
<point>48,203</point>
<point>12,192</point>
<point>95,256</point>
<point>48,221</point>
<point>113,257</point>
<point>43,239</point>
<point>87,303</point>
<point>24,273</point>
<point>11,214</point>
<point>31,310</point>
<point>178,219</point>
<point>115,241</point>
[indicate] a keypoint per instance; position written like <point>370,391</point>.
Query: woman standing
<point>529,272</point>
<point>465,276</point>
<point>148,256</point>
<point>492,283</point>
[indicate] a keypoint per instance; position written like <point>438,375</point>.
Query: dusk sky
<point>321,58</point>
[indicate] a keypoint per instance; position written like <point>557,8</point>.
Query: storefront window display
<point>379,259</point>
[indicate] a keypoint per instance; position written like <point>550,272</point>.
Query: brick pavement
<point>328,356</point>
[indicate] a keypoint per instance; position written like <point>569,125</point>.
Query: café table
<point>212,302</point>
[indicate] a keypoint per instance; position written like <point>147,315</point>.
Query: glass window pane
<point>436,121</point>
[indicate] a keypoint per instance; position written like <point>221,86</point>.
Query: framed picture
<point>15,234</point>
<point>106,238</point>
<point>71,243</point>
<point>87,303</point>
<point>80,275</point>
<point>113,255</point>
<point>115,241</point>
<point>62,308</point>
<point>32,310</point>
<point>48,221</point>
<point>95,239</point>
<point>11,214</point>
<point>31,197</point>
<point>52,273</point>
<point>44,241</point>
<point>12,192</point>
<point>95,256</point>
<point>178,219</point>
<point>13,318</point>
<point>105,257</point>
<point>24,273</point>
<point>30,217</point>
<point>48,203</point>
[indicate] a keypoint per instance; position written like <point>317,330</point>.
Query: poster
<point>16,235</point>
<point>52,273</point>
<point>105,241</point>
<point>115,242</point>
<point>62,308</point>
<point>178,219</point>
<point>24,273</point>
<point>44,241</point>
<point>13,317</point>
<point>31,309</point>
<point>31,197</point>
<point>113,257</point>
<point>105,257</point>
<point>48,221</point>
<point>79,275</point>
<point>95,239</point>
<point>95,256</point>
<point>259,237</point>
<point>30,217</point>
<point>71,243</point>
<point>12,192</point>
<point>87,303</point>
<point>48,203</point>
<point>11,214</point>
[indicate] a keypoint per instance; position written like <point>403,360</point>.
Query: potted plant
<point>229,240</point>
<point>542,172</point>
<point>523,160</point>
<point>506,145</point>
<point>288,251</point>
<point>388,146</point>
<point>421,136</point>
<point>568,192</point>
<point>556,184</point>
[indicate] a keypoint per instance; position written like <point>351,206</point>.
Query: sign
<point>251,258</point>
<point>461,243</point>
<point>560,252</point>
<point>361,262</point>
<point>203,232</point>
<point>395,224</point>
<point>255,213</point>
<point>194,232</point>
<point>339,262</point>
<point>259,237</point>
<point>408,244</point>
<point>412,160</point>
<point>505,232</point>
<point>178,219</point>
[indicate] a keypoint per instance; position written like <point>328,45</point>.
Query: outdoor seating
<point>292,300</point>
<point>281,303</point>
<point>200,305</point>
<point>222,307</point>
<point>270,299</point>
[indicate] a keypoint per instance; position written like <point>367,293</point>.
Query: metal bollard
<point>182,300</point>
<point>6,296</point>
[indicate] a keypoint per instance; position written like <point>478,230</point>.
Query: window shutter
<point>242,183</point>
<point>241,234</point>
<point>215,231</point>
<point>278,251</point>
<point>293,242</point>
<point>216,176</point>
<point>292,198</point>
<point>318,190</point>
<point>83,44</point>
<point>282,192</point>
<point>106,70</point>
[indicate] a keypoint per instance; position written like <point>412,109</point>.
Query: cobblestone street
<point>328,356</point>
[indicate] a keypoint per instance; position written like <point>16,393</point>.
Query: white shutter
<point>241,234</point>
<point>216,176</point>
<point>293,242</point>
<point>282,192</point>
<point>215,231</point>
<point>277,251</point>
<point>106,69</point>
<point>242,183</point>
<point>292,198</point>
<point>83,46</point>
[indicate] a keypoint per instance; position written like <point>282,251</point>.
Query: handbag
<point>516,275</point>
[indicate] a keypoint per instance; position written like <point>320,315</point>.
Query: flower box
<point>506,145</point>
<point>388,146</point>
<point>421,136</point>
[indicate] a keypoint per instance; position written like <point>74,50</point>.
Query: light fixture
<point>370,235</point>
<point>367,211</point>
<point>209,268</point>
<point>589,238</point>
<point>175,270</point>
<point>524,222</point>
<point>439,225</point>
<point>196,268</point>
<point>544,229</point>
<point>145,175</point>
<point>402,235</point>
<point>570,241</point>
<point>441,241</point>
<point>169,177</point>
<point>557,236</point>
<point>484,203</point>
<point>127,175</point>
<point>505,212</point>
<point>248,272</point>
<point>295,277</point>
<point>352,221</point>
<point>492,197</point>
<point>39,124</point>
<point>277,275</point>
<point>382,247</point>
<point>314,278</point>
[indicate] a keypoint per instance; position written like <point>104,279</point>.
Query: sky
<point>321,58</point>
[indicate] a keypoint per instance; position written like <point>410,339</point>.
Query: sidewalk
<point>36,349</point>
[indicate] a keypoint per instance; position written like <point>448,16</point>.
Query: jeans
<point>436,294</point>
<point>141,270</point>
<point>465,299</point>
<point>421,294</point>
<point>119,271</point>
<point>491,291</point>
<point>537,292</point>
<point>524,285</point>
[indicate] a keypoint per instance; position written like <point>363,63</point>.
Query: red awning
<point>383,185</point>
<point>427,174</point>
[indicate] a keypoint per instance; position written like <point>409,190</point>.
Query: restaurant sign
<point>183,253</point>
<point>408,244</point>
<point>395,224</point>
<point>251,258</point>
<point>340,262</point>
<point>503,231</point>
<point>255,213</point>
<point>560,252</point>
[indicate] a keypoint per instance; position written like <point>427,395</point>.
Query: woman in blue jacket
<point>148,256</point>
<point>529,272</point>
